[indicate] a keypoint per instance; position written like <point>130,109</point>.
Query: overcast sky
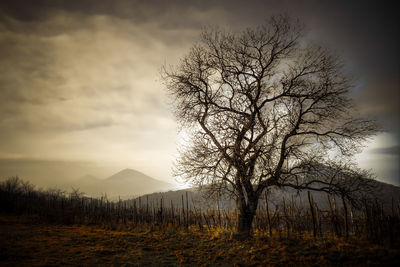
<point>79,80</point>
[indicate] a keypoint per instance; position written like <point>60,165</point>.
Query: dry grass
<point>27,244</point>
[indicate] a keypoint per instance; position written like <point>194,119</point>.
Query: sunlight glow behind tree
<point>264,108</point>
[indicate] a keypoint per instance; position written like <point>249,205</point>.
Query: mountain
<point>132,182</point>
<point>131,175</point>
<point>126,183</point>
<point>66,175</point>
<point>385,193</point>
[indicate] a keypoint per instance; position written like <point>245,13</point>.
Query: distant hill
<point>385,193</point>
<point>126,183</point>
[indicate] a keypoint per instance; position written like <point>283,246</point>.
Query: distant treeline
<point>288,219</point>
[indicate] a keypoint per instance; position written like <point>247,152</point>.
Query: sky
<point>80,83</point>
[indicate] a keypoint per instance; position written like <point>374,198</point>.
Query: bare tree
<point>263,108</point>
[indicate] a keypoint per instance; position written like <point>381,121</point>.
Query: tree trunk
<point>246,213</point>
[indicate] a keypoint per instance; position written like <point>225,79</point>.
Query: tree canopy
<point>264,107</point>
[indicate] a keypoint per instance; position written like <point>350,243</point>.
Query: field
<point>52,228</point>
<point>24,243</point>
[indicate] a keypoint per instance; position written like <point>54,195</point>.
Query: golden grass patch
<point>27,244</point>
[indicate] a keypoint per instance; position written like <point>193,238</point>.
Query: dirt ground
<point>29,244</point>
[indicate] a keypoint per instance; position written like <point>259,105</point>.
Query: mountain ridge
<point>125,183</point>
<point>385,193</point>
<point>129,174</point>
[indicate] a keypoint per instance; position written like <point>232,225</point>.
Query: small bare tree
<point>263,108</point>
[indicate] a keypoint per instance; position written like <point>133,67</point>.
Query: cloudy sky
<point>79,80</point>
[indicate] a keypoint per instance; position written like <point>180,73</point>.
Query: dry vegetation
<point>52,228</point>
<point>42,244</point>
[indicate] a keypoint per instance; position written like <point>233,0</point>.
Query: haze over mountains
<point>385,194</point>
<point>95,180</point>
<point>126,183</point>
<point>92,179</point>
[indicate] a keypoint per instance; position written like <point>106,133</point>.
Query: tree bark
<point>246,213</point>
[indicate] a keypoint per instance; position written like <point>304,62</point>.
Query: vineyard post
<point>312,213</point>
<point>268,216</point>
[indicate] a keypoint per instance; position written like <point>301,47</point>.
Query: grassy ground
<point>28,244</point>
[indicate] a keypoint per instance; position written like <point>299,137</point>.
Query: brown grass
<point>26,244</point>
